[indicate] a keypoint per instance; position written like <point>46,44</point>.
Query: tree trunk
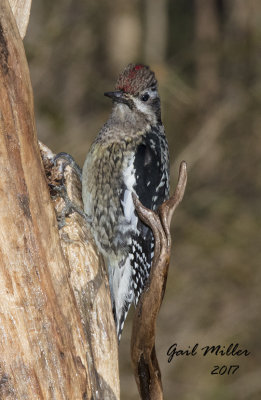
<point>50,345</point>
<point>21,10</point>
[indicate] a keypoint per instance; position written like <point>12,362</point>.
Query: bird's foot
<point>65,189</point>
<point>69,207</point>
<point>68,160</point>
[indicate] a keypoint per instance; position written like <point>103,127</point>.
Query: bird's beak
<point>117,96</point>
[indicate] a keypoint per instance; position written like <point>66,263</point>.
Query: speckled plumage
<point>130,154</point>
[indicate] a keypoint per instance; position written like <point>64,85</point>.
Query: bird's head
<point>136,87</point>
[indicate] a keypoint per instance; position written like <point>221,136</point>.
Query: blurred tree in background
<point>206,54</point>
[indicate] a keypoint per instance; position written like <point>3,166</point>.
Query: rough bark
<point>49,347</point>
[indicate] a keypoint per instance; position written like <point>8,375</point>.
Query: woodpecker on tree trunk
<point>129,155</point>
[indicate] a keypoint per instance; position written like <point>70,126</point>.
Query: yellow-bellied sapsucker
<point>129,155</point>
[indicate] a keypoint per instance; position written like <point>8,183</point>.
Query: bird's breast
<point>108,181</point>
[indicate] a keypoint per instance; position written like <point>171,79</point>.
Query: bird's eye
<point>145,97</point>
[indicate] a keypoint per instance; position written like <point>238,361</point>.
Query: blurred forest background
<point>206,54</point>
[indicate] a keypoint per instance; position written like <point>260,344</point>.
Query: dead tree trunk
<point>49,347</point>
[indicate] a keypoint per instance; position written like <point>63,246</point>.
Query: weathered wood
<point>21,10</point>
<point>43,344</point>
<point>88,279</point>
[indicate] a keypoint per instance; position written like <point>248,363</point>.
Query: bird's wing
<point>150,182</point>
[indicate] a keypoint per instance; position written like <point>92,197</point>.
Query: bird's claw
<point>67,160</point>
<point>60,189</point>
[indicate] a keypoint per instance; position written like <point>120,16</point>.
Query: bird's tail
<point>120,279</point>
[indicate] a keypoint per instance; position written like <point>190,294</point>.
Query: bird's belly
<point>111,229</point>
<point>108,201</point>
